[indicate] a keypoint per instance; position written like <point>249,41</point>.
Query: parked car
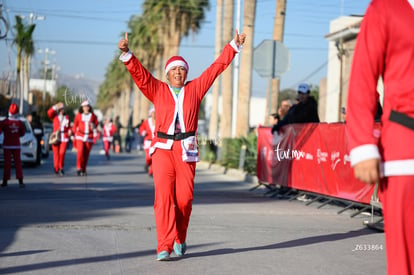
<point>28,143</point>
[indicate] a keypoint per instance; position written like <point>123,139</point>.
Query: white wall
<point>39,84</point>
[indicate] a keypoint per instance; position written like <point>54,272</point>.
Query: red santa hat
<point>13,109</point>
<point>176,61</point>
<point>85,103</point>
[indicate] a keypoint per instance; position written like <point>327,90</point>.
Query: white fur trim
<point>399,168</point>
<point>364,152</point>
<point>125,57</point>
<point>176,63</point>
<point>234,46</point>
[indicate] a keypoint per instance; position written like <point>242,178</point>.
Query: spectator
<point>37,127</point>
<point>305,111</point>
<point>385,49</point>
<point>273,119</point>
<point>284,108</point>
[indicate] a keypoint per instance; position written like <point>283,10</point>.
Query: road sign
<point>270,58</point>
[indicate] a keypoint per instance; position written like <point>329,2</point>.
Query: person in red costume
<point>108,130</point>
<point>385,49</point>
<point>147,131</point>
<point>61,123</point>
<point>174,148</point>
<point>12,128</point>
<point>85,129</point>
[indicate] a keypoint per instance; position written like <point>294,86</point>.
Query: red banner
<point>311,157</point>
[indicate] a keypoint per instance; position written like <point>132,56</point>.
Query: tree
<point>213,125</point>
<point>245,81</point>
<point>24,43</point>
<point>175,19</point>
<point>227,75</point>
<point>28,49</point>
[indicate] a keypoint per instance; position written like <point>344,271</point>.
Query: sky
<point>83,36</point>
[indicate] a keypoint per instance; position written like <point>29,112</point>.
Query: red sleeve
<point>51,113</point>
<point>367,67</point>
<point>144,80</point>
<point>95,121</point>
<point>207,78</point>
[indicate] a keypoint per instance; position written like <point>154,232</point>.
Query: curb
<point>236,173</point>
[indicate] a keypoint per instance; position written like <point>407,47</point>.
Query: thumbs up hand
<point>123,44</point>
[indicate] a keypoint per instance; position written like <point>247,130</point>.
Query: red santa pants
<point>83,149</point>
<point>174,184</point>
<point>59,151</point>
<point>107,145</point>
<point>8,161</point>
<point>398,211</point>
<point>148,161</point>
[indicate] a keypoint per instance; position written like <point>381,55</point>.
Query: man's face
<point>302,97</point>
<point>176,76</point>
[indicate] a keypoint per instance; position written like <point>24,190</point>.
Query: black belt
<point>402,119</point>
<point>178,136</point>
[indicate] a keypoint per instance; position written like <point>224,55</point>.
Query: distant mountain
<point>80,86</point>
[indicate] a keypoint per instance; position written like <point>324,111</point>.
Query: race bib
<point>190,149</point>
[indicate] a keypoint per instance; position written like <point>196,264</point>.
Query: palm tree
<point>227,75</point>
<point>24,43</point>
<point>213,127</point>
<point>147,48</point>
<point>175,18</point>
<point>28,49</point>
<point>245,82</point>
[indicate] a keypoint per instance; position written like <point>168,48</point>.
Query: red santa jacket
<point>109,130</point>
<point>60,122</point>
<point>84,127</point>
<point>12,129</point>
<point>147,130</point>
<point>383,48</point>
<point>167,105</point>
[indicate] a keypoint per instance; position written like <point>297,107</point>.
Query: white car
<point>28,143</point>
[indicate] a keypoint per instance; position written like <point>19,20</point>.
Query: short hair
<point>275,115</point>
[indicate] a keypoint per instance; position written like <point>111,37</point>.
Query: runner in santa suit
<point>12,128</point>
<point>84,128</point>
<point>174,149</point>
<point>385,48</point>
<point>146,130</point>
<point>108,130</point>
<point>61,123</point>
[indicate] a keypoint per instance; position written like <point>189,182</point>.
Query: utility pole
<point>278,33</point>
<point>47,51</point>
<point>236,76</point>
<point>28,94</point>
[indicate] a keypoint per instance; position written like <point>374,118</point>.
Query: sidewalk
<point>104,224</point>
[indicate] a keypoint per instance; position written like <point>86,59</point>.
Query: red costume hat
<point>176,61</point>
<point>13,109</point>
